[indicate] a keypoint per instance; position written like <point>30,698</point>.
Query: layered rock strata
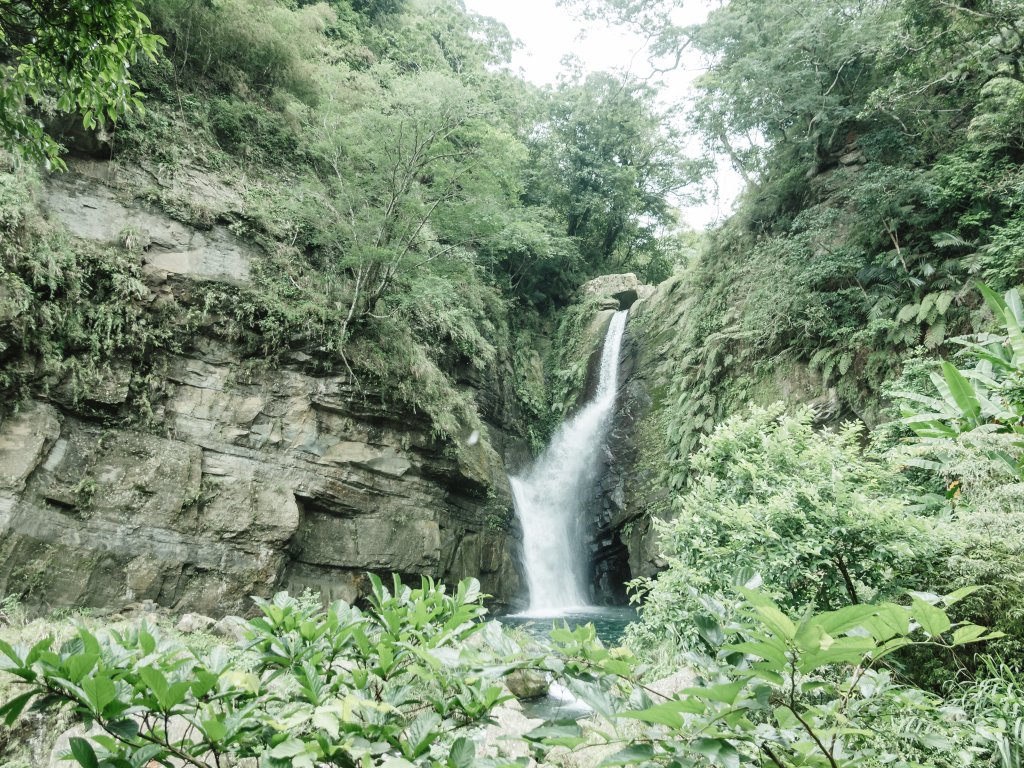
<point>243,481</point>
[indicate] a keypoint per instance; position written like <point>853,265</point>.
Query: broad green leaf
<point>668,713</point>
<point>995,302</point>
<point>462,754</point>
<point>968,633</point>
<point>955,597</point>
<point>100,691</point>
<point>717,751</point>
<point>770,614</point>
<point>554,729</point>
<point>933,620</point>
<point>775,652</point>
<point>11,710</point>
<point>84,753</point>
<point>631,755</point>
<point>290,747</point>
<point>843,620</point>
<point>724,693</point>
<point>962,391</point>
<point>80,665</point>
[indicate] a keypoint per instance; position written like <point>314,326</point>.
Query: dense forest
<point>842,579</point>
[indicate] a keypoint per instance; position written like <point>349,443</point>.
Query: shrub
<point>398,681</point>
<point>826,525</point>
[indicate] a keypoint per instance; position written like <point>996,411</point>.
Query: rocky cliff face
<point>243,481</point>
<point>617,552</point>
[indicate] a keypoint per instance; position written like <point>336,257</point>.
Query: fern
<point>936,334</point>
<point>908,313</point>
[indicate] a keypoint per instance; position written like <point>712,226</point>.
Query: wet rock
<point>504,737</point>
<point>672,684</point>
<point>527,684</point>
<point>233,628</point>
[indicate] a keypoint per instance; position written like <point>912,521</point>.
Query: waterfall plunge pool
<point>610,623</point>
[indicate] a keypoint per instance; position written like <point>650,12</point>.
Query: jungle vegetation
<point>846,585</point>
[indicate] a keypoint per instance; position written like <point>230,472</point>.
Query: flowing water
<point>550,498</point>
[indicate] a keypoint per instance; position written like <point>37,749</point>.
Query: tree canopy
<point>67,58</point>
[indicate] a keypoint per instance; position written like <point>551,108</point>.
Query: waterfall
<point>551,495</point>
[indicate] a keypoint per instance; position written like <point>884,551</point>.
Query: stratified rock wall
<point>243,481</point>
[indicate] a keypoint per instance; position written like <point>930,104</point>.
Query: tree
<point>605,160</point>
<point>71,58</point>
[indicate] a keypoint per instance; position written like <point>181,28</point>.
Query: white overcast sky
<point>549,33</point>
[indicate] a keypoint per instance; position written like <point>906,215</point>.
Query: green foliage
<point>967,431</point>
<point>881,147</point>
<point>569,360</point>
<point>989,397</point>
<point>996,705</point>
<point>397,682</point>
<point>405,681</point>
<point>826,525</point>
<point>70,312</point>
<point>607,161</point>
<point>245,47</point>
<point>67,58</point>
<point>818,689</point>
<point>382,155</point>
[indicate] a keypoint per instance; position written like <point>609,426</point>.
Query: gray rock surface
<point>194,622</point>
<point>503,738</point>
<point>96,212</point>
<point>616,291</point>
<point>527,683</point>
<point>238,485</point>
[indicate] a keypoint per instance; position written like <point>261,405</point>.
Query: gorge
<point>327,338</point>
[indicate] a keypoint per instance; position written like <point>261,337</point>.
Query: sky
<point>548,33</point>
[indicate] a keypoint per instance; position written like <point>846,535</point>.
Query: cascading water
<point>550,496</point>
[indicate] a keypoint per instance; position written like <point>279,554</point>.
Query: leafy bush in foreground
<point>341,686</point>
<point>405,683</point>
<point>779,690</point>
<point>968,427</point>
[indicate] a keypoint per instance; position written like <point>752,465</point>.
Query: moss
<point>70,312</point>
<point>569,360</point>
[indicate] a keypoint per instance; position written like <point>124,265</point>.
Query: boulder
<point>504,737</point>
<point>233,628</point>
<point>672,684</point>
<point>194,622</point>
<point>527,684</point>
<point>615,291</point>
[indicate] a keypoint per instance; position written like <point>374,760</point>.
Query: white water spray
<point>551,495</point>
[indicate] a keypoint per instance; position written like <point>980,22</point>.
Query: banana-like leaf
<point>1013,330</point>
<point>962,391</point>
<point>995,302</point>
<point>1015,305</point>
